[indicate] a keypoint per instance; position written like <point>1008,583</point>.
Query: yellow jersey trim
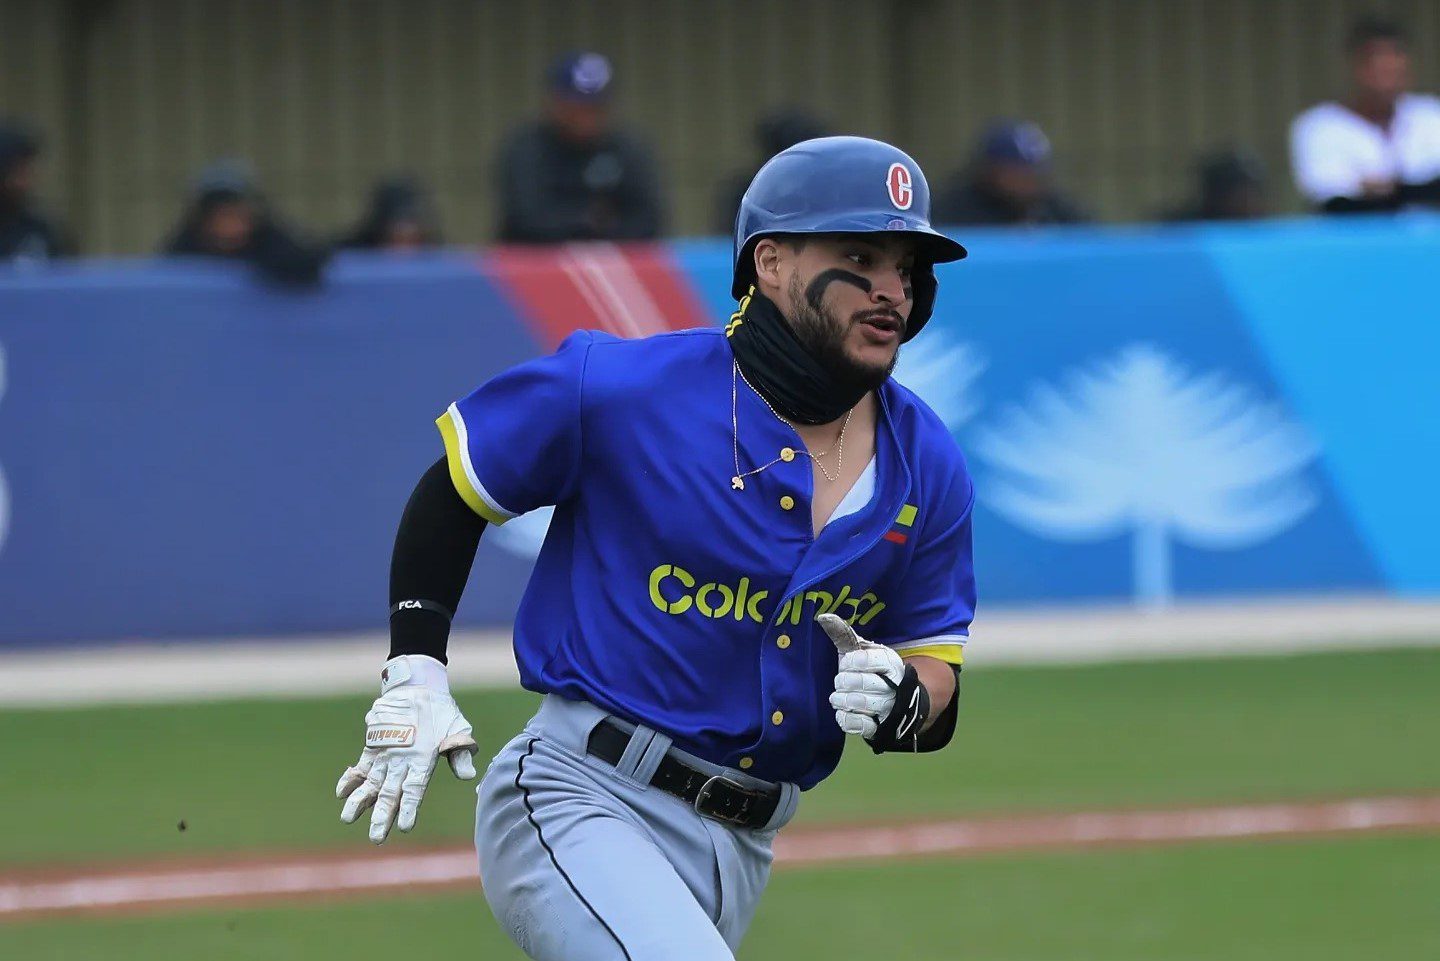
<point>738,318</point>
<point>949,653</point>
<point>453,460</point>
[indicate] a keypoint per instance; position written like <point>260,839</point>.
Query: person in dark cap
<point>400,217</point>
<point>774,132</point>
<point>1009,181</point>
<point>573,175</point>
<point>26,234</point>
<point>1231,185</point>
<point>228,218</point>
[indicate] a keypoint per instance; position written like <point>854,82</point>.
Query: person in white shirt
<point>1379,149</point>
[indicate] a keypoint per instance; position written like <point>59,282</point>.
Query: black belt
<point>713,796</point>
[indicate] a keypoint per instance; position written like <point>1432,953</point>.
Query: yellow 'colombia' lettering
<point>675,590</point>
<point>681,604</point>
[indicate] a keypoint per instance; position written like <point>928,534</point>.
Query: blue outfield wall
<point>1150,413</point>
<point>189,455</point>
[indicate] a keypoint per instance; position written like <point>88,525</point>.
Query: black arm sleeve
<point>434,549</point>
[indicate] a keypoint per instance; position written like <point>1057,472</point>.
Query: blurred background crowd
<point>134,142</point>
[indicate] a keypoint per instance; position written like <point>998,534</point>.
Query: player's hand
<point>411,724</point>
<point>868,677</point>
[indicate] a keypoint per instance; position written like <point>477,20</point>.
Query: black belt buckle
<point>732,809</point>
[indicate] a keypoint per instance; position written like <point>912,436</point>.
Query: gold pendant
<point>736,483</point>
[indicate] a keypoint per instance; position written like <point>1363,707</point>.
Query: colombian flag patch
<point>906,519</point>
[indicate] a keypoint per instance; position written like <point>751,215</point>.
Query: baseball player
<point>761,544</point>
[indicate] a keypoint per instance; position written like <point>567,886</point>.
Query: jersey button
<point>777,718</point>
<point>783,641</point>
<point>787,454</point>
<point>746,763</point>
<point>787,502</point>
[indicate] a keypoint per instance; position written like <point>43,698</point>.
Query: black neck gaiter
<point>781,370</point>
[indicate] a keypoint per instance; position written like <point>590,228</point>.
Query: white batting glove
<point>862,697</point>
<point>411,724</point>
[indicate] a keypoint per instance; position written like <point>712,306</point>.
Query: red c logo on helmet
<point>902,191</point>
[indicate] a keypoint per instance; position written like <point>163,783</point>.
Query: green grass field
<point>1333,900</point>
<point>95,785</point>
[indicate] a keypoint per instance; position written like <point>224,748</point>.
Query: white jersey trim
<point>931,641</point>
<point>463,437</point>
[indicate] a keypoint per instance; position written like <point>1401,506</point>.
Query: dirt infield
<point>178,885</point>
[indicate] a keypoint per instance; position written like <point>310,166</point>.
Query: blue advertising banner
<point>189,454</point>
<point>1150,413</point>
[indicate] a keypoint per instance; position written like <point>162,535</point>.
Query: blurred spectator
<point>228,218</point>
<point>25,233</point>
<point>400,217</point>
<point>1231,186</point>
<point>1009,181</point>
<point>1379,149</point>
<point>573,175</point>
<point>774,132</point>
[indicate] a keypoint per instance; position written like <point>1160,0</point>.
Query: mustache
<point>883,316</point>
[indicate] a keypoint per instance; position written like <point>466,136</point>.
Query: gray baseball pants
<point>582,861</point>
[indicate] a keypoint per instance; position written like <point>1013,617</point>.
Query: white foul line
<point>800,847</point>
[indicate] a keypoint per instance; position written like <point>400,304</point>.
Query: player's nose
<point>888,287</point>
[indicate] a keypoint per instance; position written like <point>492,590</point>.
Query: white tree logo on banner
<point>943,373</point>
<point>1139,444</point>
<point>4,490</point>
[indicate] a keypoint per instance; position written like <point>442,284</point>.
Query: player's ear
<point>769,255</point>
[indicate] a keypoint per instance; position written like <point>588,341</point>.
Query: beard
<point>823,336</point>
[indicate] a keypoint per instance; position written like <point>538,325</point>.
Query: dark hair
<point>1369,28</point>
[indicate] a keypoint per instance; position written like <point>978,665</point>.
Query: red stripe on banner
<point>895,537</point>
<point>544,296</point>
<point>630,290</point>
<point>668,286</point>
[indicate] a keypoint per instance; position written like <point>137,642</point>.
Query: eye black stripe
<point>815,292</point>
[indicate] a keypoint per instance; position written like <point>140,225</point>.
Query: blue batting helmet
<point>843,185</point>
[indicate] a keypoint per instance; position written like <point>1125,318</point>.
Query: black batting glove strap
<point>900,731</point>
<point>939,733</point>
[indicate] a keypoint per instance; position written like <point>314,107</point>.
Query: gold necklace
<point>737,482</point>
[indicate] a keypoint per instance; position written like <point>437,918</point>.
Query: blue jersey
<point>668,598</point>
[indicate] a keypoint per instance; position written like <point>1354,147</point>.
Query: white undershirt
<point>858,496</point>
<point>1333,149</point>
